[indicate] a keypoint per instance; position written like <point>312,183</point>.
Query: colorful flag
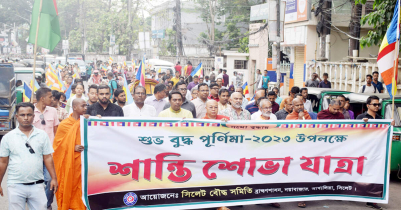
<point>198,71</point>
<point>246,90</point>
<point>140,75</point>
<point>388,53</point>
<point>110,60</point>
<point>160,70</point>
<point>69,91</point>
<point>49,28</point>
<point>128,95</point>
<point>27,93</point>
<point>34,85</point>
<point>52,80</point>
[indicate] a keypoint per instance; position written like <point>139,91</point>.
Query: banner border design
<point>223,124</point>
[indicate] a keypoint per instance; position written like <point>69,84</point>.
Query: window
<point>239,64</point>
<point>369,7</point>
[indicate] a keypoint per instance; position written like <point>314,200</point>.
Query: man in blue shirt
<point>253,107</point>
<point>112,84</point>
<point>376,83</point>
<point>265,80</point>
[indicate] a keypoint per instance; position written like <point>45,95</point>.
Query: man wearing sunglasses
<point>46,118</point>
<point>25,150</point>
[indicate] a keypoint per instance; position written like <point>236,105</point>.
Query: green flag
<point>49,28</point>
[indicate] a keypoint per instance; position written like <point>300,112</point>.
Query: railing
<point>347,76</point>
<point>207,62</point>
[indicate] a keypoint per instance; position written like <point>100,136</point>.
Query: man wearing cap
<point>95,78</point>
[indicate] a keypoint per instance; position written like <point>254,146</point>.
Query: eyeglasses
<point>42,117</point>
<point>375,104</point>
<point>30,148</point>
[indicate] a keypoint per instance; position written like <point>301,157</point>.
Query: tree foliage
<point>16,11</point>
<point>379,19</point>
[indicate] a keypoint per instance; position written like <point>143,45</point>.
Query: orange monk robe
<point>294,116</point>
<point>67,163</point>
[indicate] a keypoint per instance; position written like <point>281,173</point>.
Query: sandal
<point>302,205</point>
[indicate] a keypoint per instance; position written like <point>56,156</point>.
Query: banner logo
<point>130,199</point>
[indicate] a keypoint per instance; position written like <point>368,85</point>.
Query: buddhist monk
<point>67,159</point>
<point>298,112</point>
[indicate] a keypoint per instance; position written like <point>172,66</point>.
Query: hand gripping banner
<point>170,164</point>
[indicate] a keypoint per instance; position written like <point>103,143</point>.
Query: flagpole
<point>396,60</point>
<point>36,44</point>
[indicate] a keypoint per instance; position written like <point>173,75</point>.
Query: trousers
<point>32,195</point>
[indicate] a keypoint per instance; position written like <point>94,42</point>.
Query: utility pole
<point>81,26</point>
<point>178,35</point>
<point>354,29</point>
<point>278,73</point>
<point>324,28</point>
<point>130,30</point>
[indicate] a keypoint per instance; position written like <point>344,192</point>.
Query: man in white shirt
<point>265,110</point>
<point>200,102</point>
<point>157,100</point>
<point>369,87</point>
<point>139,109</point>
<point>307,103</point>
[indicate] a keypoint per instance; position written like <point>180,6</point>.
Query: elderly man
<point>200,102</point>
<point>159,93</point>
<point>265,110</point>
<point>212,110</point>
<point>188,105</point>
<point>67,152</point>
<point>253,107</point>
<point>139,109</point>
<point>282,114</point>
<point>298,112</point>
<point>244,100</point>
<point>235,111</point>
<point>332,113</point>
<point>175,110</point>
<point>224,96</point>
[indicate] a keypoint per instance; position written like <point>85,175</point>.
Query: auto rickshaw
<point>149,86</point>
<point>321,97</point>
<point>7,98</point>
<point>358,106</point>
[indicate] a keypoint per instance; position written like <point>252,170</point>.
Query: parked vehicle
<point>7,98</point>
<point>321,97</point>
<point>25,75</point>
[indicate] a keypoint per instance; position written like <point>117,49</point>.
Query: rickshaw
<point>321,97</point>
<point>149,86</point>
<point>7,98</point>
<point>358,106</point>
<point>25,75</point>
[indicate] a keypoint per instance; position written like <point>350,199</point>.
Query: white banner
<point>170,164</point>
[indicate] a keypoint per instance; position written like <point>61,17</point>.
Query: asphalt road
<point>394,201</point>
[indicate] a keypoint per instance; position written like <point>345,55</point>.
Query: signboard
<point>158,34</point>
<point>295,35</point>
<point>193,164</point>
<point>218,63</point>
<point>112,39</point>
<point>259,12</point>
<point>297,10</point>
<point>65,45</point>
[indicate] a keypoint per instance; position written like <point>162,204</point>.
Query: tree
<point>16,11</point>
<point>380,18</point>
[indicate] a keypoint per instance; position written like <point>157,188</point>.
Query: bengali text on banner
<point>189,164</point>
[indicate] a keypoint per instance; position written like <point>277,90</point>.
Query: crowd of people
<point>49,127</point>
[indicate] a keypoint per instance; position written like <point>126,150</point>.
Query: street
<point>394,201</point>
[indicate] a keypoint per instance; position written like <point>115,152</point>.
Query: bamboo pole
<point>34,50</point>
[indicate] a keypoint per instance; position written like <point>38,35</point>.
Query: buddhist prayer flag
<point>127,92</point>
<point>27,93</point>
<point>34,85</point>
<point>387,59</point>
<point>198,71</point>
<point>49,29</point>
<point>246,90</point>
<point>110,60</point>
<point>140,75</point>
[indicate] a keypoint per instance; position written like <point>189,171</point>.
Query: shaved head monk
<point>212,108</point>
<point>298,112</point>
<point>67,159</point>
